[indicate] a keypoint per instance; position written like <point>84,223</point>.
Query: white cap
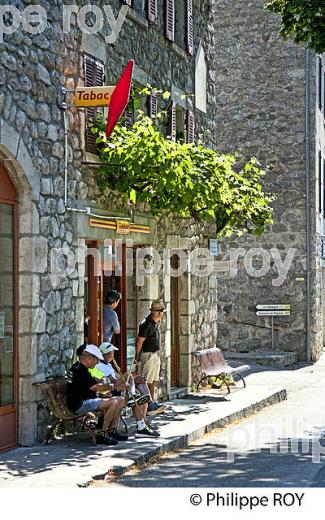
<point>107,347</point>
<point>92,349</point>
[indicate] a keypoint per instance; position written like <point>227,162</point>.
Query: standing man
<point>111,322</point>
<point>147,352</point>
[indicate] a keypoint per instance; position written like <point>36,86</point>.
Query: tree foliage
<point>302,20</point>
<point>184,179</point>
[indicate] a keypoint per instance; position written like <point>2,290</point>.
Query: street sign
<point>284,306</point>
<point>273,313</point>
<point>93,96</point>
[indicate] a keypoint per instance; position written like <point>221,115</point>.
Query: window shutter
<point>189,27</point>
<point>153,105</point>
<point>170,20</point>
<point>172,121</point>
<point>190,126</point>
<point>93,77</point>
<point>152,11</point>
<point>129,115</point>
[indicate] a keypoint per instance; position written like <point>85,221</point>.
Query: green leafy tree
<point>302,20</point>
<point>184,179</point>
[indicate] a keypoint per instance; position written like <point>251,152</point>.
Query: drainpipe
<point>308,205</point>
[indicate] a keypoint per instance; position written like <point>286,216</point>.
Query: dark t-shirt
<point>78,386</point>
<point>149,329</point>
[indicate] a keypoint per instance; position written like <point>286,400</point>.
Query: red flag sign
<point>120,98</point>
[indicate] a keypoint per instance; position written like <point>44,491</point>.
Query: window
<point>144,6</point>
<point>138,6</point>
<point>94,77</point>
<point>181,125</point>
<point>179,23</point>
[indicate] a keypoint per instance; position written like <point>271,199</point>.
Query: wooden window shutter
<point>172,121</point>
<point>152,11</point>
<point>170,20</point>
<point>189,27</point>
<point>190,126</point>
<point>129,115</point>
<point>94,77</point>
<point>153,105</point>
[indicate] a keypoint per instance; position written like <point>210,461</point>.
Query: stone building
<point>270,103</point>
<point>49,200</point>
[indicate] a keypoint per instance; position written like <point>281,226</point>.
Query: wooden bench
<point>55,392</point>
<point>213,363</point>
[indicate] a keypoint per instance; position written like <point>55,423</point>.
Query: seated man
<point>139,404</point>
<point>82,397</point>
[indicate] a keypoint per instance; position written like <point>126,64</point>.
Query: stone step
<point>275,358</point>
<point>177,392</point>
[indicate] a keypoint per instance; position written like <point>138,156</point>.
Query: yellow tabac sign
<point>93,96</point>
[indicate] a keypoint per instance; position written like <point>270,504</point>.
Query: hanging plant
<point>184,179</point>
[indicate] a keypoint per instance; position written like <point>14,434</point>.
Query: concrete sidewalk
<point>75,462</point>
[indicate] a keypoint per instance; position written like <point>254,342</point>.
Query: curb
<point>182,441</point>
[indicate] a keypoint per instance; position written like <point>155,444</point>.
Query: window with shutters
<point>93,77</point>
<point>177,127</point>
<point>179,23</point>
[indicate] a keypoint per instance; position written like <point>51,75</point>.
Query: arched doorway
<point>8,312</point>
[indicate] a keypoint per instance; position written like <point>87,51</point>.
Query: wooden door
<point>98,283</point>
<point>8,312</point>
<point>174,309</point>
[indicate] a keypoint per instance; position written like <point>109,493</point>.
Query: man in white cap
<point>147,352</point>
<point>137,403</point>
<point>82,391</point>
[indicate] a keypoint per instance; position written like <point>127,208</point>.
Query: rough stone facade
<point>33,70</point>
<point>260,86</point>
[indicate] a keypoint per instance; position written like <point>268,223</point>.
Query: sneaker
<point>118,436</point>
<point>104,439</point>
<point>146,432</point>
<point>140,399</point>
<point>155,408</point>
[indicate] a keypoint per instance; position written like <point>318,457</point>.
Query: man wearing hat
<point>147,352</point>
<point>82,397</point>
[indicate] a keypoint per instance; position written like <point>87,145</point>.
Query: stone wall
<point>260,101</point>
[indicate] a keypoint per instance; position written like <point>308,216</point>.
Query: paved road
<point>274,448</point>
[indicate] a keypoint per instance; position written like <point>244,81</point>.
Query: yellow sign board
<point>122,227</point>
<point>93,96</point>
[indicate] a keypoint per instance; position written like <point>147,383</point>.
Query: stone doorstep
<point>177,392</point>
<point>267,357</point>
